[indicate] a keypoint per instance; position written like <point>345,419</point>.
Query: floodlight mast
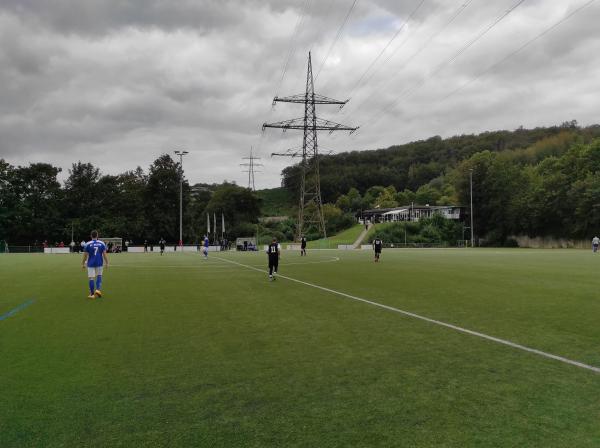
<point>471,197</point>
<point>310,124</point>
<point>181,154</point>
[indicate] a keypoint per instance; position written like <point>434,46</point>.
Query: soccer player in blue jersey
<point>94,257</point>
<point>205,249</point>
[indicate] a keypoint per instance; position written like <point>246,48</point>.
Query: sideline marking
<point>17,309</point>
<point>434,321</point>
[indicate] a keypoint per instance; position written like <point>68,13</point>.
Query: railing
<point>324,244</point>
<point>436,244</point>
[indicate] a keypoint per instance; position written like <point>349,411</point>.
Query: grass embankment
<point>347,236</point>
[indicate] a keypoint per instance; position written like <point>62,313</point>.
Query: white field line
<point>165,266</point>
<point>433,321</point>
<point>204,265</point>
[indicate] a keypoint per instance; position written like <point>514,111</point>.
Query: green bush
<point>430,230</point>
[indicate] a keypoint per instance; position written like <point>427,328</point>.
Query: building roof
<point>408,207</point>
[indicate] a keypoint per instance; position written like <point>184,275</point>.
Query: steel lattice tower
<point>251,168</point>
<point>310,210</point>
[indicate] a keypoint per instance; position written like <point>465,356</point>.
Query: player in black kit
<point>377,245</point>
<point>162,245</point>
<point>303,245</point>
<point>273,253</point>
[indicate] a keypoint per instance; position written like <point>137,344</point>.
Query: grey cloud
<point>119,82</point>
<point>98,17</point>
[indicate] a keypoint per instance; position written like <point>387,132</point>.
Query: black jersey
<point>303,242</point>
<point>273,250</point>
<point>377,244</point>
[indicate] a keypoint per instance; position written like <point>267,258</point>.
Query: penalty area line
<point>434,321</point>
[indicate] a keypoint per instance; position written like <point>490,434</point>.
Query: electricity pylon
<point>310,210</point>
<point>251,168</point>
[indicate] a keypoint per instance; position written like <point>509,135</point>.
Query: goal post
<point>246,243</point>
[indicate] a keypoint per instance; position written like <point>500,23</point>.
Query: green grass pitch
<point>186,352</point>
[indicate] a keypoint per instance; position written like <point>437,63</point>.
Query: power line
<point>292,44</point>
<point>518,50</point>
<point>290,54</point>
<point>450,20</point>
<point>406,92</point>
<point>337,36</point>
<point>481,34</point>
<point>396,34</point>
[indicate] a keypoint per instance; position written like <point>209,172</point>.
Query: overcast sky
<point>118,82</point>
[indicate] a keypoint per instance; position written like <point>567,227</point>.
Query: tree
<point>199,199</point>
<point>371,195</point>
<point>355,200</point>
<point>351,202</point>
<point>495,185</point>
<point>414,164</point>
<point>130,203</point>
<point>426,194</point>
<point>80,198</point>
<point>161,200</point>
<point>38,203</point>
<point>405,197</point>
<point>8,199</point>
<point>387,198</point>
<point>343,203</point>
<point>239,205</point>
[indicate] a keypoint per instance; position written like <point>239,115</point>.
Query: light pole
<point>471,184</point>
<point>181,154</point>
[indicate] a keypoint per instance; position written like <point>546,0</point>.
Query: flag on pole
<point>215,221</point>
<point>222,224</point>
<point>207,224</point>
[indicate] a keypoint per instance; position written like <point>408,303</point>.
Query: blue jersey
<point>95,249</point>
<point>205,242</point>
